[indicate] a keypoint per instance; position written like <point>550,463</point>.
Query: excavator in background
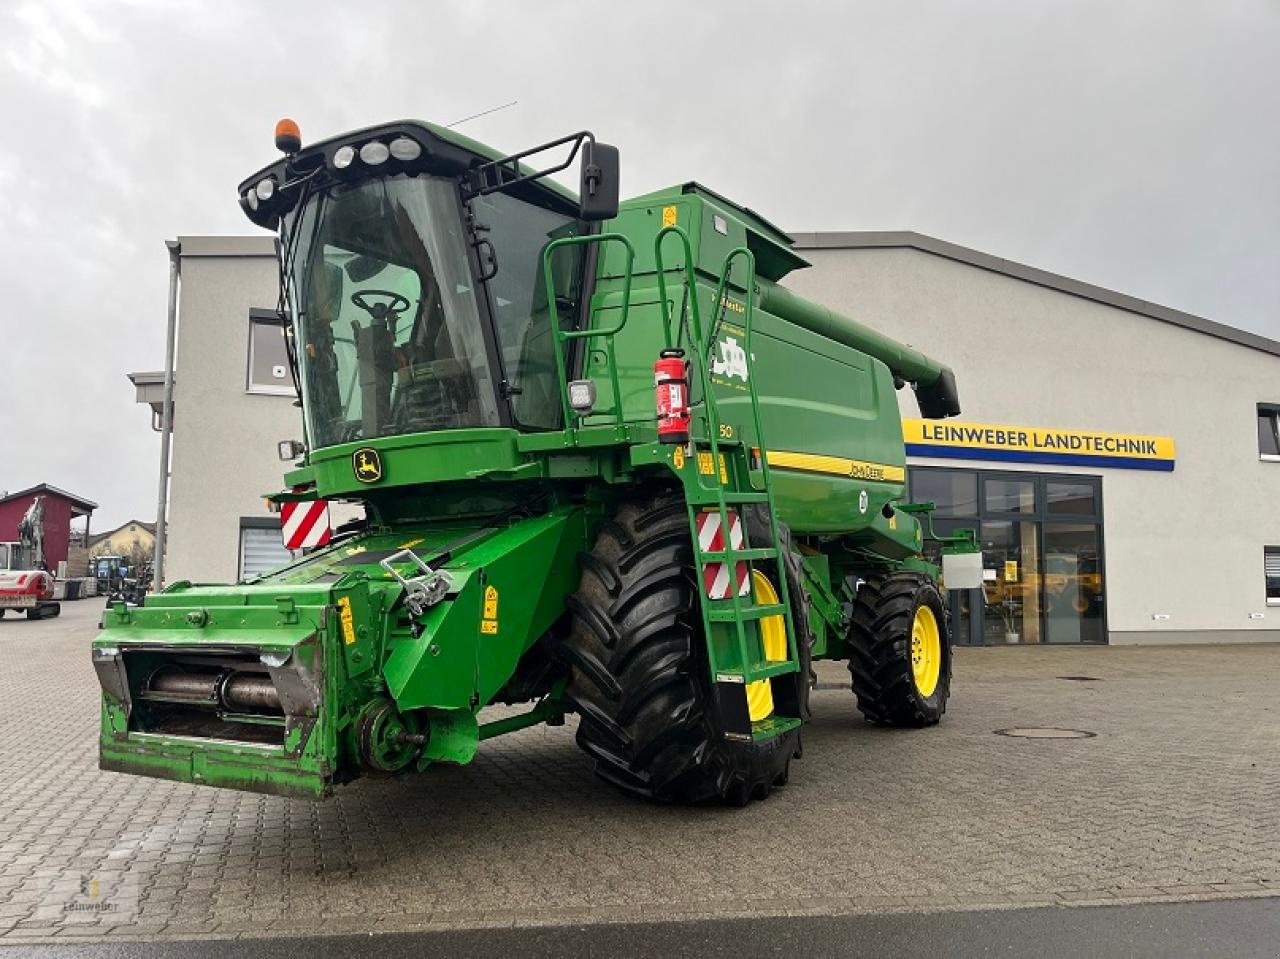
<point>26,585</point>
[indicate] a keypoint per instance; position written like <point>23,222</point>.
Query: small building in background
<point>60,510</point>
<point>134,540</point>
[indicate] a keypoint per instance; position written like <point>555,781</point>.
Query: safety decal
<point>489,619</point>
<point>347,620</point>
<point>706,468</point>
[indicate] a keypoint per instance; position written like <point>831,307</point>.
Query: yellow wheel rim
<point>926,651</point>
<point>773,637</point>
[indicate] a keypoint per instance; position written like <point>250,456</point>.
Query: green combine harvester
<point>609,467</point>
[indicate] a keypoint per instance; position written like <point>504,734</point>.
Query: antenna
<point>484,113</point>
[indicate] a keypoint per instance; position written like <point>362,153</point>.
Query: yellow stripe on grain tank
<point>836,466</point>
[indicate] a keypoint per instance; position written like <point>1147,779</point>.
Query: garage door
<point>261,551</point>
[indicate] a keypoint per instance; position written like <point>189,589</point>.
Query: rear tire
<point>888,688</point>
<point>640,679</point>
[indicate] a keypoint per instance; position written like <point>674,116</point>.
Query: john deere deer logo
<point>367,465</point>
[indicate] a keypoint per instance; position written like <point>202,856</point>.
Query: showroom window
<point>268,369</point>
<point>1271,567</point>
<point>1269,431</point>
<point>1042,554</point>
<point>261,548</point>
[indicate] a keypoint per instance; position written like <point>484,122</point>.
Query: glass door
<point>1041,536</point>
<point>1074,595</point>
<point>1011,582</point>
<point>1073,583</point>
<point>1011,559</point>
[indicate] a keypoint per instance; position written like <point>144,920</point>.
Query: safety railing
<point>562,337</point>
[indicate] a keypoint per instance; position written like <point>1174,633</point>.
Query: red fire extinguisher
<point>672,382</point>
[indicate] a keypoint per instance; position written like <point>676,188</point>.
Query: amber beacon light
<point>288,136</point>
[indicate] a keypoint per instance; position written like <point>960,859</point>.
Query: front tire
<point>640,679</point>
<point>900,650</point>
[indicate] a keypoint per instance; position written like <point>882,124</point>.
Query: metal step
<point>772,727</point>
<point>739,555</point>
<point>711,497</point>
<point>757,671</point>
<point>727,614</point>
<point>748,612</point>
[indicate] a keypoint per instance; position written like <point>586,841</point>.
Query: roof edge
<point>99,537</point>
<point>48,488</point>
<point>885,239</point>
<point>227,245</point>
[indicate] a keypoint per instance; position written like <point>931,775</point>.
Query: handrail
<point>560,337</point>
<point>692,298</point>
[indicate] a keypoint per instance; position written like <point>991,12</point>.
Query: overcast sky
<point>1135,145</point>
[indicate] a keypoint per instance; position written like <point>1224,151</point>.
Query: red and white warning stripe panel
<point>305,525</point>
<point>715,576</point>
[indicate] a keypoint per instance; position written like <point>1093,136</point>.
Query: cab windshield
<point>387,327</point>
<point>388,315</point>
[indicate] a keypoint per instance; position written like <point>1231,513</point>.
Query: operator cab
<point>412,266</point>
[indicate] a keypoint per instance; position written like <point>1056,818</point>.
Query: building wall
<point>125,541</point>
<point>224,440</point>
<point>1189,543</point>
<point>1186,545</point>
<point>57,524</point>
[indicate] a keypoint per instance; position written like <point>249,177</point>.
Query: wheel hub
<point>926,651</point>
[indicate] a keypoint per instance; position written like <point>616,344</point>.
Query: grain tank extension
<point>609,468</point>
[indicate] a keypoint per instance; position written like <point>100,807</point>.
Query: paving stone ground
<point>1176,797</point>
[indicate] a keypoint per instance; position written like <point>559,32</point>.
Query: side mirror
<point>598,193</point>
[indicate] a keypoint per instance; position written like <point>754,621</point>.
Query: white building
<point>1176,550</point>
<point>1115,457</point>
<point>233,401</point>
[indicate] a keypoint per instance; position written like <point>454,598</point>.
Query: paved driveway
<point>1177,796</point>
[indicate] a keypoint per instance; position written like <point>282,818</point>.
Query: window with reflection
<point>953,492</point>
<point>1269,431</point>
<point>1041,541</point>
<point>1071,499</point>
<point>1009,495</point>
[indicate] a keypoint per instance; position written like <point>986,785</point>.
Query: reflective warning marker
<point>305,525</point>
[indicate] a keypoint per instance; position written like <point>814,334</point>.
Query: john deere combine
<point>609,467</point>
